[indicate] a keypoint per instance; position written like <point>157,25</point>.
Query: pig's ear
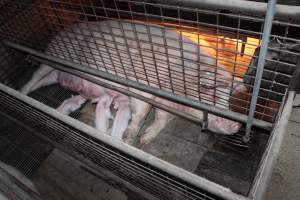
<point>238,88</point>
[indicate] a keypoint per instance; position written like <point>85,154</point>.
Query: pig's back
<point>149,54</point>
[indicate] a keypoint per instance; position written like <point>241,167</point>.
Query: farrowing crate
<point>232,40</point>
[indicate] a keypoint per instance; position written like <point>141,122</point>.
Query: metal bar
<point>283,11</point>
<point>294,84</point>
<point>260,65</point>
<point>172,97</point>
<point>148,159</point>
<point>205,121</point>
<point>270,156</point>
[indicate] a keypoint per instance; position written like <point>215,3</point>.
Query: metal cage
<point>159,47</point>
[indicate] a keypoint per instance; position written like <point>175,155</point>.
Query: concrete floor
<point>60,179</point>
<point>285,180</point>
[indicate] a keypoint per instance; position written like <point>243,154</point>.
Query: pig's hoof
<point>236,127</point>
<point>146,138</point>
<point>24,90</point>
<point>129,141</point>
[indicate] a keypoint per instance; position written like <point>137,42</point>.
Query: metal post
<point>260,66</point>
<point>205,120</point>
<point>237,6</point>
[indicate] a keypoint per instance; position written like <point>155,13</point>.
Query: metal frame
<point>276,137</point>
<point>250,7</point>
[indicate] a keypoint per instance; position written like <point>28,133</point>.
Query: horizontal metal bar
<point>122,90</point>
<point>172,97</point>
<point>148,159</point>
<point>282,11</point>
<point>270,156</point>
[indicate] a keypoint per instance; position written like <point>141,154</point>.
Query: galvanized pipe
<point>148,159</point>
<point>260,65</point>
<point>283,11</point>
<point>172,97</point>
<point>205,121</point>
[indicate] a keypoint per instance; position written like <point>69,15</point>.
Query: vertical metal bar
<point>260,66</point>
<point>205,120</point>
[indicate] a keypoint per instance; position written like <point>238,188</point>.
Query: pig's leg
<point>122,118</point>
<point>103,114</point>
<point>222,125</point>
<point>162,118</point>
<point>49,79</point>
<point>70,105</point>
<point>139,111</point>
<point>37,76</point>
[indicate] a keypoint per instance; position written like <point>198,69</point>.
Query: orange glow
<point>227,50</point>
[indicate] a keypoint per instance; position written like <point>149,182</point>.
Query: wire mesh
<point>189,52</point>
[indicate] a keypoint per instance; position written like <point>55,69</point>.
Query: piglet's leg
<point>122,117</point>
<point>70,105</point>
<point>222,125</point>
<point>49,79</point>
<point>38,78</point>
<point>139,111</point>
<point>103,114</point>
<point>162,118</point>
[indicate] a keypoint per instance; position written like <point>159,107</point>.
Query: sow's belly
<point>84,88</point>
